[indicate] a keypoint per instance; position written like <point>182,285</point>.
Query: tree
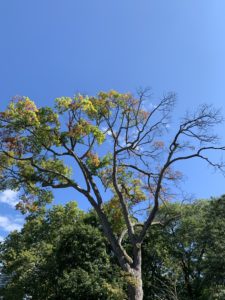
<point>187,254</point>
<point>114,141</point>
<point>182,259</point>
<point>59,255</point>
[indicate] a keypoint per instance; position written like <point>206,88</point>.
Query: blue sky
<point>53,48</point>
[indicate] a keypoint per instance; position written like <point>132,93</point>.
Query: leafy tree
<point>60,255</point>
<point>63,254</point>
<point>185,258</point>
<point>38,144</point>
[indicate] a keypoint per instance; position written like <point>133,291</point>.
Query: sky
<point>57,48</point>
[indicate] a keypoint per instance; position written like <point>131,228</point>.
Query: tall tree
<point>114,137</point>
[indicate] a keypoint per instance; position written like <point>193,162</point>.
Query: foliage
<point>185,258</point>
<point>59,255</point>
<point>115,143</point>
<point>63,253</point>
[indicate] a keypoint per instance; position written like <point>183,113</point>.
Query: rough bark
<point>135,286</point>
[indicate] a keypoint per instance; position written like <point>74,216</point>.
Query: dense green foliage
<point>187,255</point>
<point>62,254</point>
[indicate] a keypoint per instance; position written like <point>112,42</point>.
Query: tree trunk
<point>135,288</point>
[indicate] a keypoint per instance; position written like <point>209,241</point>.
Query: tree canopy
<point>63,253</point>
<point>59,254</point>
<point>112,141</point>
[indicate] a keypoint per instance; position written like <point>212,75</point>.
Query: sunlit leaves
<point>22,112</point>
<point>84,128</point>
<point>93,161</point>
<point>34,199</point>
<point>78,102</point>
<point>36,142</point>
<point>56,166</point>
<point>115,215</point>
<point>63,104</point>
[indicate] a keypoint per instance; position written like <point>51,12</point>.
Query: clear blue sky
<point>51,48</point>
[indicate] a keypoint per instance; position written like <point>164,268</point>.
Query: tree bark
<point>135,286</point>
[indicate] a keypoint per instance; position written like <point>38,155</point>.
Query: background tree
<point>182,259</point>
<point>186,255</point>
<point>57,255</point>
<point>133,162</point>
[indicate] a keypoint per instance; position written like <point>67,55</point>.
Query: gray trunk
<point>135,288</point>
